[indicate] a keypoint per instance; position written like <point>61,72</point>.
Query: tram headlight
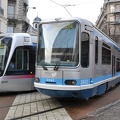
<point>37,80</point>
<point>70,82</point>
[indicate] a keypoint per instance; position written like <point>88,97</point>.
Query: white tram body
<point>75,59</point>
<point>17,62</point>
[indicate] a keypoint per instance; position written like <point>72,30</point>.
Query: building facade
<point>3,16</point>
<point>36,22</point>
<point>13,17</point>
<point>109,19</point>
<point>33,30</point>
<point>17,16</point>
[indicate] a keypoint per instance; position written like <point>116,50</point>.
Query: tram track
<point>71,103</point>
<point>45,111</point>
<point>1,107</point>
<point>41,101</point>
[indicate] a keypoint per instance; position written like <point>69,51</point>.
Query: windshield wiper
<point>61,59</point>
<point>43,65</point>
<point>56,66</point>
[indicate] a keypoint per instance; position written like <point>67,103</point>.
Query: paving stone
<point>34,102</point>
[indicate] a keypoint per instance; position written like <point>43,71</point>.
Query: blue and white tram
<point>75,59</point>
<point>17,62</point>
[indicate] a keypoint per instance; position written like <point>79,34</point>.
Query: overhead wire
<point>90,2</point>
<point>79,3</point>
<point>67,5</point>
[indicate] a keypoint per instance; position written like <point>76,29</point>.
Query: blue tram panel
<point>75,59</point>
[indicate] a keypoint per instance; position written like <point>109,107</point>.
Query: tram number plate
<point>84,82</point>
<point>50,80</point>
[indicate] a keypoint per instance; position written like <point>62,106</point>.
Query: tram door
<point>113,65</point>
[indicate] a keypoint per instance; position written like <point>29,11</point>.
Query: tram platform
<point>36,106</point>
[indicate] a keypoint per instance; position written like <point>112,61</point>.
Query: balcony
<point>12,0</point>
<point>1,11</point>
<point>12,16</point>
<point>16,17</point>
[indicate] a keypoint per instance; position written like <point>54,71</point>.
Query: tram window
<point>85,49</point>
<point>19,59</point>
<point>19,63</point>
<point>106,54</point>
<point>32,60</point>
<point>96,50</point>
<point>117,64</point>
<point>26,60</point>
<point>22,59</point>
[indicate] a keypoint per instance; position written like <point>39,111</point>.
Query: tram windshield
<point>58,44</point>
<point>5,45</point>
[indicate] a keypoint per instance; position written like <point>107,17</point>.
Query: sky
<point>49,9</point>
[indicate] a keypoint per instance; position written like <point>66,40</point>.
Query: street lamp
<point>32,7</point>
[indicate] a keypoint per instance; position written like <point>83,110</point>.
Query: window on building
<point>112,18</point>
<point>117,18</point>
<point>36,25</point>
<point>117,7</point>
<point>11,10</point>
<point>85,49</point>
<point>112,8</point>
<point>106,54</point>
<point>1,9</point>
<point>10,29</point>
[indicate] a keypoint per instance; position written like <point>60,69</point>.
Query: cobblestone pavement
<point>108,112</point>
<point>31,103</point>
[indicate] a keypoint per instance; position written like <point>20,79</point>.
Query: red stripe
<point>18,76</point>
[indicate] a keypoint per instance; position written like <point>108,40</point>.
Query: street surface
<point>6,99</point>
<point>92,109</point>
